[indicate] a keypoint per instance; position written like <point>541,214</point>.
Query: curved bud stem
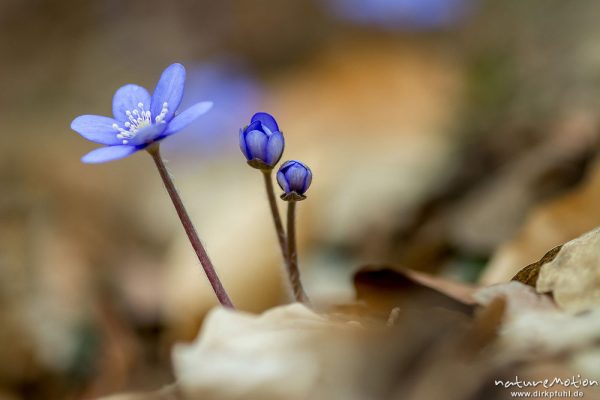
<point>293,270</point>
<point>192,235</point>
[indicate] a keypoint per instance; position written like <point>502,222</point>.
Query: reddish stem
<point>192,235</point>
<point>293,269</point>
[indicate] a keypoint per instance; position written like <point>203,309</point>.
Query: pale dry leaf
<point>519,297</point>
<point>588,361</point>
<point>167,393</point>
<point>573,275</point>
<point>535,327</point>
<point>288,352</point>
<point>534,333</point>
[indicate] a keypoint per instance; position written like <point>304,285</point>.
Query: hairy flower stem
<point>207,265</point>
<point>267,174</point>
<point>293,270</point>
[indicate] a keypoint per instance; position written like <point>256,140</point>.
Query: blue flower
<point>261,142</point>
<point>294,178</point>
<point>139,119</point>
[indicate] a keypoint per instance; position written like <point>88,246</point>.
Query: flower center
<point>139,118</point>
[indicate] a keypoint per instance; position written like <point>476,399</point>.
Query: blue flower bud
<point>294,178</point>
<point>261,142</point>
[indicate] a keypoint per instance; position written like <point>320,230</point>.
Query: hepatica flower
<point>261,142</point>
<point>139,119</point>
<point>294,178</point>
<point>140,122</point>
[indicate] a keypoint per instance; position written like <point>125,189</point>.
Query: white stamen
<point>160,117</point>
<point>138,119</point>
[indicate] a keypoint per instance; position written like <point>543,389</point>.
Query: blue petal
<point>254,126</point>
<point>127,98</point>
<point>148,135</point>
<point>109,153</point>
<point>256,142</point>
<point>296,176</point>
<point>267,120</point>
<point>96,128</point>
<point>275,148</point>
<point>282,181</point>
<point>286,165</point>
<point>188,116</point>
<point>243,145</point>
<point>307,180</point>
<point>169,89</point>
<point>265,129</point>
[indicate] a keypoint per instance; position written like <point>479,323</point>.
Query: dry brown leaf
<point>570,272</point>
<point>529,275</point>
<point>385,288</point>
<point>485,327</point>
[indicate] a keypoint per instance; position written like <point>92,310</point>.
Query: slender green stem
<point>294,271</point>
<point>192,235</point>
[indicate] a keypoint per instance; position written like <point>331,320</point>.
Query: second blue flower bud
<point>294,177</point>
<point>261,142</point>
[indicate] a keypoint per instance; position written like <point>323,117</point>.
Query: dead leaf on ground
<point>384,288</point>
<point>167,393</point>
<point>570,272</point>
<point>573,275</point>
<point>519,297</point>
<point>529,275</point>
<point>288,352</point>
<point>534,328</point>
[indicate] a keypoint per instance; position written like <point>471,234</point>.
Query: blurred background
<point>456,137</point>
